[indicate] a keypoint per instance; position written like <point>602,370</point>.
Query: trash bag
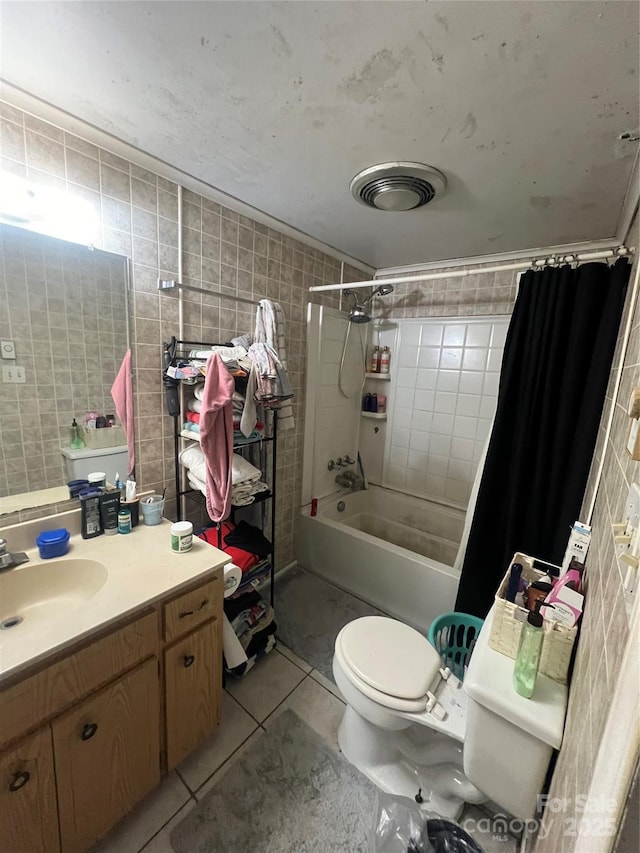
<point>403,827</point>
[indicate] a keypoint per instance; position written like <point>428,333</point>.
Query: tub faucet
<point>9,560</point>
<point>349,480</point>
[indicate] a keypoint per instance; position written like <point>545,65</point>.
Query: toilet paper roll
<point>234,654</point>
<point>232,578</point>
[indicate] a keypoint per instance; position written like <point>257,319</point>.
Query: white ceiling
<point>520,104</point>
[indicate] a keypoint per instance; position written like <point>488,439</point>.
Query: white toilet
<point>112,460</point>
<point>407,719</point>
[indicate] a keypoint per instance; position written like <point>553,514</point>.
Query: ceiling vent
<point>398,186</point>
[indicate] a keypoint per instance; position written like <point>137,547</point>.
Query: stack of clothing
<point>246,480</point>
<point>254,625</point>
<point>251,619</point>
<point>248,548</point>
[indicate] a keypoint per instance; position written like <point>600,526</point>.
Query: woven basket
<point>507,623</point>
<point>101,439</point>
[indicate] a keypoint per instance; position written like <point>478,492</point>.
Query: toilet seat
<point>389,662</point>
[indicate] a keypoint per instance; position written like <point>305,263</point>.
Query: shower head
<point>358,313</point>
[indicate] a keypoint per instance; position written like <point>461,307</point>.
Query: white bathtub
<point>389,549</point>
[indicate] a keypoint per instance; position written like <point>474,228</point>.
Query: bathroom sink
<point>40,593</point>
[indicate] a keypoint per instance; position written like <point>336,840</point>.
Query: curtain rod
<point>170,285</point>
<point>534,263</point>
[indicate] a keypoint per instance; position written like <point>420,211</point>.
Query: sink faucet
<point>9,560</point>
<point>349,480</point>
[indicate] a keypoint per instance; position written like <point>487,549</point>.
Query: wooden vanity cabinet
<point>86,736</point>
<point>107,753</point>
<point>193,688</point>
<point>28,809</point>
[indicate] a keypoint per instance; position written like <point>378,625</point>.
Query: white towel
<point>199,391</point>
<point>270,330</point>
<point>192,458</point>
<point>197,484</point>
<point>194,405</point>
<point>243,471</point>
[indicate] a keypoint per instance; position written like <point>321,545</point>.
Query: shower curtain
<point>555,371</point>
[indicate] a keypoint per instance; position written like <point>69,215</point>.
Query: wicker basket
<point>100,439</point>
<point>507,624</point>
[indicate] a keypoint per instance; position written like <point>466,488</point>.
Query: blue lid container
<point>53,543</point>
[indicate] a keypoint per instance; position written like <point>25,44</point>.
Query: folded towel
<point>197,484</point>
<point>191,427</point>
<point>193,459</point>
<point>194,417</point>
<point>199,391</point>
<point>194,405</point>
<point>243,471</point>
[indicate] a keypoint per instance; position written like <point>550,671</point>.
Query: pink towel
<point>122,395</point>
<point>216,436</point>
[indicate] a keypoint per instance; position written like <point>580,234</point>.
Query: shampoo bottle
<point>527,662</point>
<point>76,442</point>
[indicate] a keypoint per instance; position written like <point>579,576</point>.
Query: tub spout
<point>349,480</point>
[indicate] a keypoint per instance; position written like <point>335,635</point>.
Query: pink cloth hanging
<point>216,436</point>
<point>122,396</point>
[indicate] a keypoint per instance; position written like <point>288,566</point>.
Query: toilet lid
<point>389,656</point>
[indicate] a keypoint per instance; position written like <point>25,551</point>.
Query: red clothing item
<point>245,560</point>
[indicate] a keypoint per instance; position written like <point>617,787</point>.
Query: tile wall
<point>63,306</point>
<point>442,400</point>
<point>605,624</point>
<point>138,215</point>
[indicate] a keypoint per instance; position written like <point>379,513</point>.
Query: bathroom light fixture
<point>398,186</point>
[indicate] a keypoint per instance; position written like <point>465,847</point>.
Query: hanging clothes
<point>270,329</point>
<point>122,396</point>
<point>555,370</point>
<point>216,437</point>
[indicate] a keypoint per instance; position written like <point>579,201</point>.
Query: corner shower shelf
<point>384,376</point>
<point>380,416</point>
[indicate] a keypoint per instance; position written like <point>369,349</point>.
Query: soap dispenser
<point>527,662</point>
<point>76,442</point>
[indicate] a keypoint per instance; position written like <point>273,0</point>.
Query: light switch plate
<point>7,349</point>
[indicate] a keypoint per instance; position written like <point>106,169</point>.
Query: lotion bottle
<point>525,670</point>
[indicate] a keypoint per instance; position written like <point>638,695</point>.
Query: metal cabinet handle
<point>19,780</point>
<point>205,601</point>
<point>187,661</point>
<point>88,731</point>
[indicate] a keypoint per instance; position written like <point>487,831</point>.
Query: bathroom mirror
<point>64,329</point>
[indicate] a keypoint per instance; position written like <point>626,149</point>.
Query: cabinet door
<point>107,753</point>
<point>28,812</point>
<point>193,690</point>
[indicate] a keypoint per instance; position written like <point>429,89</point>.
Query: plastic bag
<point>400,826</point>
<point>403,827</point>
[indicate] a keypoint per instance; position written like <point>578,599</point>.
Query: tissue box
<point>98,439</point>
<point>508,617</point>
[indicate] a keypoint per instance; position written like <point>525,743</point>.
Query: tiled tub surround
<point>137,212</point>
<point>64,307</point>
<point>441,402</point>
<point>393,551</point>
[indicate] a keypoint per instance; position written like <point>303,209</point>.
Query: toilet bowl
<point>409,724</point>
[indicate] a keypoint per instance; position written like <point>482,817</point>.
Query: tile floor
<point>282,680</point>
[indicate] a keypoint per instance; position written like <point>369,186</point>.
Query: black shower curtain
<point>555,371</point>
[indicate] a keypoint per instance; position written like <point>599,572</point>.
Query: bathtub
<point>389,549</point>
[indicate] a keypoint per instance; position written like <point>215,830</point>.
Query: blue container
<point>454,635</point>
<point>53,543</point>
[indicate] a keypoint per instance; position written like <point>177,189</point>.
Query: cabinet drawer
<point>191,609</point>
<point>107,754</point>
<point>193,686</point>
<point>28,809</point>
<point>61,684</point>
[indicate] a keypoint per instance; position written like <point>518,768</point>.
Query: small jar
<point>124,521</point>
<point>181,536</point>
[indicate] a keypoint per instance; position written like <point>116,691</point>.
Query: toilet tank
<point>509,740</point>
<point>111,460</point>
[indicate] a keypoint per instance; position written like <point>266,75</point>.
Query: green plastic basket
<point>453,635</point>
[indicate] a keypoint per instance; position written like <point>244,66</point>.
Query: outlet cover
<point>7,349</point>
<point>12,375</point>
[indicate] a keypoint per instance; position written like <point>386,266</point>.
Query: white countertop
<point>140,567</point>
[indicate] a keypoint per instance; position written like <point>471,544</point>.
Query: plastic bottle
<point>382,403</point>
<point>76,442</point>
<point>375,360</point>
<point>385,360</point>
<point>527,662</point>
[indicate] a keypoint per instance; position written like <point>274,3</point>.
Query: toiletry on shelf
<point>385,360</point>
<point>370,403</point>
<point>525,670</point>
<point>514,581</point>
<point>535,594</point>
<point>375,360</point>
<point>382,403</point>
<point>76,443</point>
<point>90,520</point>
<point>124,520</point>
<point>109,508</point>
